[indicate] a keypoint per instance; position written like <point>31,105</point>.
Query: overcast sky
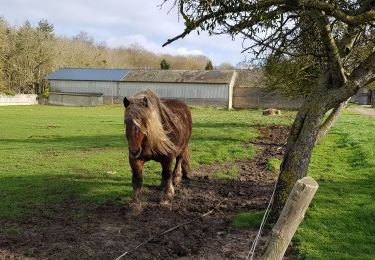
<point>121,23</point>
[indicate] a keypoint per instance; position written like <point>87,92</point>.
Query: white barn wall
<point>19,99</point>
<point>107,88</point>
<point>113,92</point>
<point>71,99</point>
<point>176,90</point>
<point>194,94</point>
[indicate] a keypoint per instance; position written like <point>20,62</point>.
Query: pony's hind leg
<point>167,183</point>
<point>185,165</point>
<point>177,172</point>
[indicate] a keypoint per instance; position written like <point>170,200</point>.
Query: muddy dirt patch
<point>107,231</point>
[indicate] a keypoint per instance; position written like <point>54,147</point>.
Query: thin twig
<point>169,230</point>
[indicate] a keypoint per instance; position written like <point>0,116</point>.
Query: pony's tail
<point>185,163</point>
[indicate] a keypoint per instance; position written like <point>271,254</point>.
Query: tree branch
<point>337,70</point>
<point>363,73</point>
<point>357,17</point>
<point>191,24</point>
<point>347,41</point>
<point>233,8</point>
<point>331,120</point>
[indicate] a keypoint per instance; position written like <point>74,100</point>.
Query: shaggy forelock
<point>148,120</point>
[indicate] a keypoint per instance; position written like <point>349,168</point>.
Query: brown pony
<point>157,130</point>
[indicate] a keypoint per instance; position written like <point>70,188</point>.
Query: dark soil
<point>107,231</point>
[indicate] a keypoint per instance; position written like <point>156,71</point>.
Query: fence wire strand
<point>251,253</point>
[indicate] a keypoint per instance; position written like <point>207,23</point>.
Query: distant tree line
<point>28,53</point>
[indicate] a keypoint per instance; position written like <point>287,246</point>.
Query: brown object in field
<point>271,112</point>
<point>157,130</point>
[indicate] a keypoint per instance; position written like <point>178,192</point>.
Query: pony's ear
<point>145,101</point>
<point>126,102</point>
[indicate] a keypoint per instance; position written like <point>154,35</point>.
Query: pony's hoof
<point>177,182</point>
<point>135,208</point>
<point>166,199</point>
<point>165,202</point>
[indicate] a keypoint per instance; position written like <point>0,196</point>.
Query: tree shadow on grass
<point>67,143</point>
<point>29,196</point>
<point>221,125</point>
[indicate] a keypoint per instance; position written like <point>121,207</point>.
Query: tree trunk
<point>303,136</point>
<point>300,144</point>
<point>331,120</point>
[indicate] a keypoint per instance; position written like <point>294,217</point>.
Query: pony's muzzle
<point>135,153</point>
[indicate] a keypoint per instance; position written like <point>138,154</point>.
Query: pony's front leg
<point>167,183</point>
<point>137,181</point>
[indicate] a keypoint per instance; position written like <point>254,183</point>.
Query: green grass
<point>274,165</point>
<point>340,223</point>
<point>49,154</point>
<point>248,219</point>
<point>226,174</point>
<point>9,230</point>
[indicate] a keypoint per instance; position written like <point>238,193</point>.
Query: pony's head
<point>144,126</point>
<point>135,125</point>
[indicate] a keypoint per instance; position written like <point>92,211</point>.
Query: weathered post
<point>290,218</point>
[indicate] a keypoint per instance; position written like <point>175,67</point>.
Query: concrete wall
<point>253,97</point>
<point>75,99</point>
<point>19,99</point>
<point>363,97</point>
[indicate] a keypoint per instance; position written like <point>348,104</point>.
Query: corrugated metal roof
<point>88,74</point>
<point>250,78</point>
<point>184,76</point>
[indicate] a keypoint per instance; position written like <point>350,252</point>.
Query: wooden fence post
<point>290,218</point>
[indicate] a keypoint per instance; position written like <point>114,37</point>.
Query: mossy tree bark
<point>307,124</point>
<point>331,120</point>
<point>334,87</point>
<point>300,145</point>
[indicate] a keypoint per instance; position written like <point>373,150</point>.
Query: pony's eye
<point>128,120</point>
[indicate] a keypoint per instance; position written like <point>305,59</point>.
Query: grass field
<point>340,223</point>
<point>52,154</point>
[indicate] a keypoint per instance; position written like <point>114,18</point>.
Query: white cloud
<point>184,51</point>
<point>126,41</point>
<point>122,22</point>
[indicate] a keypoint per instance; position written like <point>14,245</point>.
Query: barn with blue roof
<point>91,87</point>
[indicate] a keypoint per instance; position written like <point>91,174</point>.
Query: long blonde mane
<point>154,120</point>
